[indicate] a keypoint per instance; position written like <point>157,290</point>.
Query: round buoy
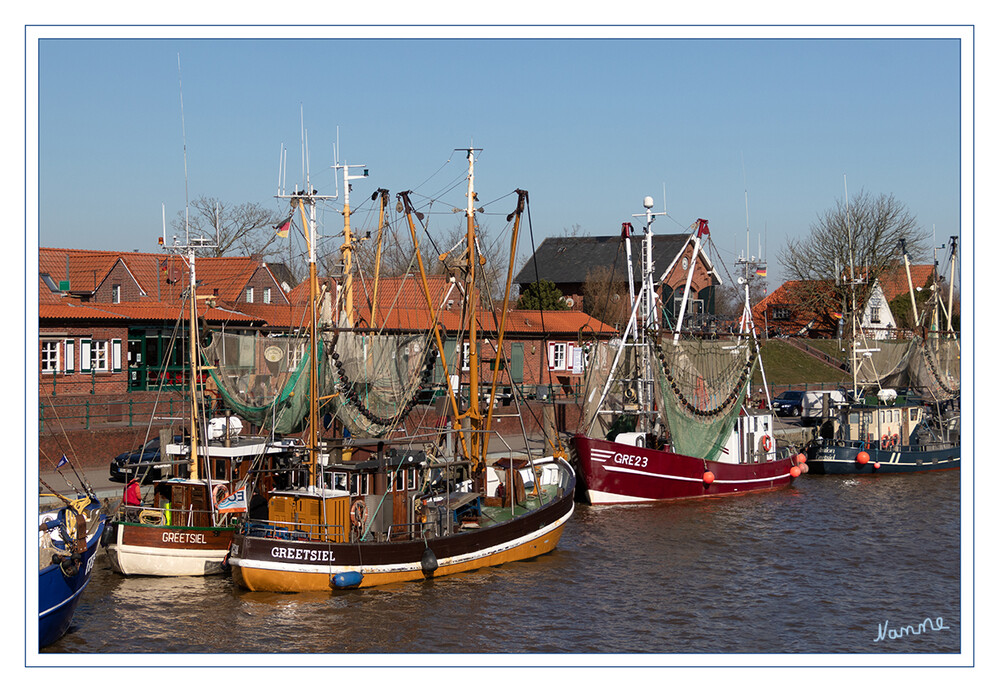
<point>804,468</point>
<point>800,458</point>
<point>877,465</point>
<point>863,458</point>
<point>795,472</point>
<point>709,478</point>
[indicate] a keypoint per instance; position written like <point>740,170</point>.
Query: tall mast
<point>300,201</point>
<point>950,296</point>
<point>347,249</point>
<point>472,310</point>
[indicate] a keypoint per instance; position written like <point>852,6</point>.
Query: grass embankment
<point>786,365</point>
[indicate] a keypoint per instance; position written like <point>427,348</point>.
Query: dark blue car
<point>788,403</point>
<point>142,463</point>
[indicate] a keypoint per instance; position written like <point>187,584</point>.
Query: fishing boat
<point>68,538</point>
<point>185,524</point>
<point>665,415</point>
<point>365,511</point>
<point>904,413</point>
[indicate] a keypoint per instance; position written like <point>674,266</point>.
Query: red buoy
<point>800,458</point>
<point>709,478</point>
<point>795,472</point>
<point>877,465</point>
<point>863,458</point>
<point>804,468</point>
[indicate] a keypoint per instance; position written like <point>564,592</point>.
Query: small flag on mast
<point>236,502</point>
<point>761,271</point>
<point>284,227</point>
<point>63,461</point>
<point>838,315</point>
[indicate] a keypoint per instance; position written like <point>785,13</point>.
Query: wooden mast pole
<point>472,312</point>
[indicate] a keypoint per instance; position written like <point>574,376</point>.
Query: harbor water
<point>834,564</point>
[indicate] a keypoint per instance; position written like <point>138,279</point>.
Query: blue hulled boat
<point>68,539</point>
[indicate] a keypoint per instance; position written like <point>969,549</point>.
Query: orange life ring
<point>358,513</point>
<point>767,443</point>
<point>885,441</point>
<point>894,440</point>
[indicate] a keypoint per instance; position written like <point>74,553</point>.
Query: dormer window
<point>249,295</point>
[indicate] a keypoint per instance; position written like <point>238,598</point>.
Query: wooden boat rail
<point>294,531</point>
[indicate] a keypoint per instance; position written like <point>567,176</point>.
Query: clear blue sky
<point>588,127</point>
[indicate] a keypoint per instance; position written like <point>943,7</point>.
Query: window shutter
<point>85,355</point>
<point>115,355</point>
<point>68,348</point>
<point>551,356</point>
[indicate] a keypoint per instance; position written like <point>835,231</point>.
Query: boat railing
<point>168,516</point>
<point>412,531</point>
<point>862,445</point>
<point>295,531</point>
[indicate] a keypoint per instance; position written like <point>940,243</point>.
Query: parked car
<point>142,463</point>
<point>789,403</point>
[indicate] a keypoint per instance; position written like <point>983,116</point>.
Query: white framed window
<point>466,356</point>
<point>50,356</point>
<point>360,484</point>
<point>116,293</point>
<point>267,296</point>
<point>296,353</point>
<point>875,314</point>
<point>557,356</point>
<point>249,294</point>
<point>100,355</point>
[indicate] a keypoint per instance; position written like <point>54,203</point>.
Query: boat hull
<point>59,593</point>
<point>842,459</point>
<point>280,565</point>
<point>613,473</point>
<point>168,551</point>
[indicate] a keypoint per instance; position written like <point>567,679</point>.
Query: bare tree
<point>242,229</point>
<point>605,295</point>
<point>864,235</point>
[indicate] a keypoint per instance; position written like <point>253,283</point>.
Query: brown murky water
<point>817,568</point>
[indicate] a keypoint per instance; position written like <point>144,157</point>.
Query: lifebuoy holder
<point>358,513</point>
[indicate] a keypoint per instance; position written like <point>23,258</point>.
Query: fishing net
<point>935,367</point>
<point>618,411</point>
<point>702,385</point>
<point>885,364</point>
<point>263,379</point>
<point>378,378</point>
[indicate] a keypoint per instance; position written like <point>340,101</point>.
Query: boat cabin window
<point>339,481</point>
<point>360,484</point>
<point>913,413</point>
<point>868,418</point>
<point>403,480</point>
<point>854,418</point>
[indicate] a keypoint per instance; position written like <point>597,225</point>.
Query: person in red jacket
<point>133,496</point>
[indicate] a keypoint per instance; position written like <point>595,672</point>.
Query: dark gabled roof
<point>568,260</point>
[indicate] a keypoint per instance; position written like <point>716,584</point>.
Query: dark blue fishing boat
<point>68,539</point>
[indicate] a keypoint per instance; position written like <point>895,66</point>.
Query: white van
<point>811,403</point>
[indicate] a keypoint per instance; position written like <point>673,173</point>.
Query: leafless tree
<point>241,229</point>
<point>863,235</point>
<point>605,295</point>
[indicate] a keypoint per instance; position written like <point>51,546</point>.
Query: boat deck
<point>496,515</point>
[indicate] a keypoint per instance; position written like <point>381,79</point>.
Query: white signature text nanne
<point>909,630</point>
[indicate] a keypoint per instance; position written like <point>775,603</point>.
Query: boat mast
<point>300,200</point>
<point>472,312</point>
<point>950,297</point>
<point>384,194</point>
<point>347,249</point>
